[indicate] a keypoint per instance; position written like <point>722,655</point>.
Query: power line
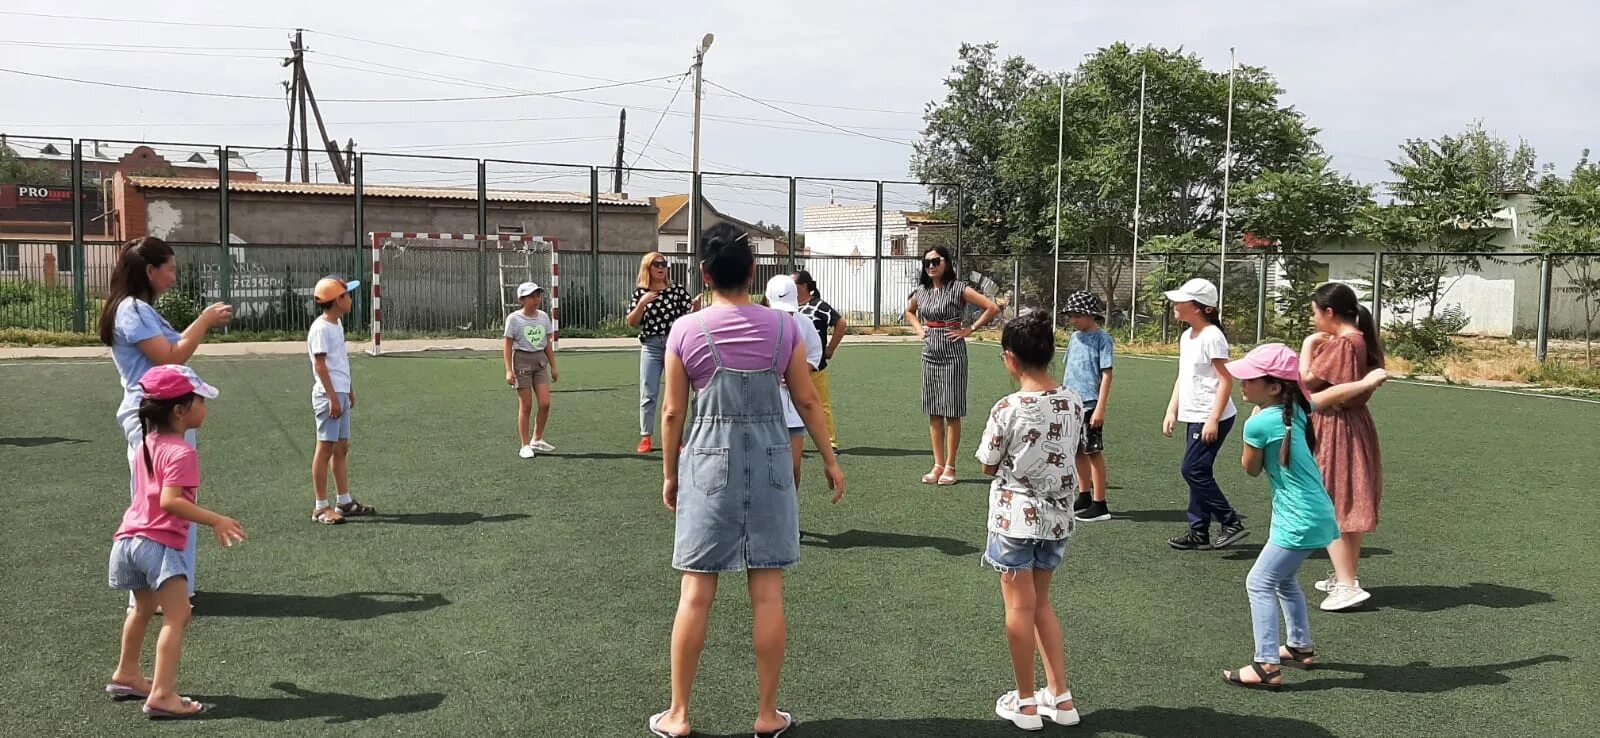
<point>236,96</point>
<point>807,118</point>
<point>149,21</point>
<point>662,117</point>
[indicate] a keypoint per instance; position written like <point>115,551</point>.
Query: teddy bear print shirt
<point>1032,437</point>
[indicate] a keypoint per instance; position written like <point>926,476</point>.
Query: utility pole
<point>622,134</point>
<point>1227,167</point>
<point>1055,270</point>
<point>1138,216</point>
<point>293,89</point>
<point>694,187</point>
<point>300,99</point>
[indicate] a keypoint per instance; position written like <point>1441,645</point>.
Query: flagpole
<point>1061,127</point>
<point>1138,191</point>
<point>1227,166</point>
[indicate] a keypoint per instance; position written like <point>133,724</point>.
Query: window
<point>683,247</point>
<point>10,257</point>
<point>64,257</point>
<point>511,230</point>
<point>897,245</point>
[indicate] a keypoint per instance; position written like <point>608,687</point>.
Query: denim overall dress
<point>737,507</point>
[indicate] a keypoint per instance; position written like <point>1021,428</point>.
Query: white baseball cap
<point>1195,290</point>
<point>782,295</point>
<point>527,288</point>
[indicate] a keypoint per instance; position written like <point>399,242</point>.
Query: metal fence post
<point>1166,315</point>
<point>961,222</point>
<point>1261,297</point>
<point>794,240</point>
<point>359,240</point>
<point>593,319</point>
<point>877,259</point>
<point>483,254</point>
<point>79,283</point>
<point>1542,342</point>
<point>1016,287</point>
<point>225,259</point>
<point>1377,290</point>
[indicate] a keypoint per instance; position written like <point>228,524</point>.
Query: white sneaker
<point>1326,585</point>
<point>1345,597</point>
<point>1047,707</point>
<point>543,447</point>
<point>527,452</point>
<point>1009,707</point>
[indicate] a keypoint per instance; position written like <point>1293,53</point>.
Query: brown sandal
<point>327,516</point>
<point>1296,658</point>
<point>1270,680</point>
<point>353,509</point>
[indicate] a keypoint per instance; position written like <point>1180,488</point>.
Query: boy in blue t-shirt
<point>1088,372</point>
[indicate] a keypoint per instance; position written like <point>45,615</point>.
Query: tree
<point>1442,202</point>
<point>17,170</point>
<point>966,139</point>
<point>1299,210</point>
<point>1502,168</point>
<point>1571,208</point>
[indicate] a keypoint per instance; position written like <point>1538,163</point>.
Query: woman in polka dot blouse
<point>657,303</point>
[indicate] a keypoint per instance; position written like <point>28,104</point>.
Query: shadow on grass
<point>441,518</point>
<point>1433,598</point>
<point>654,456</point>
<point>1249,552</point>
<point>876,451</point>
<point>348,606</point>
<point>571,390</point>
<point>33,441</point>
<point>1138,721</point>
<point>1420,677</point>
<point>875,539</point>
<point>304,704</point>
<point>1149,516</point>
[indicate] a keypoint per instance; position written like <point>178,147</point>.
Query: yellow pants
<point>820,379</point>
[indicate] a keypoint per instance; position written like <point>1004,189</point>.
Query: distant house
<point>672,226</point>
<point>849,231</point>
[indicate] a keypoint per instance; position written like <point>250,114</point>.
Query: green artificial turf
<point>498,596</point>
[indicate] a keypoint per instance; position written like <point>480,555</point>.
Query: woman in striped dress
<point>935,311</point>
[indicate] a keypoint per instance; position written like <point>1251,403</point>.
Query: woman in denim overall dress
<point>735,503</point>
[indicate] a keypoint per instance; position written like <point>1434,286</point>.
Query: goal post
<point>457,283</point>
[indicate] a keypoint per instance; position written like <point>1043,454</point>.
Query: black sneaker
<point>1095,512</point>
<point>1082,503</point>
<point>1231,534</point>
<point>1192,541</point>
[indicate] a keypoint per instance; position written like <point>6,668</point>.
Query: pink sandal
<point>948,477</point>
<point>933,476</point>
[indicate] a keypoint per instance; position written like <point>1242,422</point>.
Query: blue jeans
<point>652,360</point>
<point>1272,583</point>
<point>1206,502</point>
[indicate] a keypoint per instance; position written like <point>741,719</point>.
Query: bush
<point>33,306</point>
<point>1429,339</point>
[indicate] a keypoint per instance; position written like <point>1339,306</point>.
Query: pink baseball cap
<point>170,381</point>
<point>1267,360</point>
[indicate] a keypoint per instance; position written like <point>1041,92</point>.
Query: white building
<point>839,245</point>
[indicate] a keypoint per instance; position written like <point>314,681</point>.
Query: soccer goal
<point>459,284</point>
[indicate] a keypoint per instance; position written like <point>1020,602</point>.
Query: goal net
<point>457,284</point>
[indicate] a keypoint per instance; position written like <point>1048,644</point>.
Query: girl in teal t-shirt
<point>1279,440</point>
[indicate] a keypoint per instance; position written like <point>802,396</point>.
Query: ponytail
<point>129,278</point>
<point>157,415</point>
<point>1289,399</point>
<point>1213,316</point>
<point>1369,331</point>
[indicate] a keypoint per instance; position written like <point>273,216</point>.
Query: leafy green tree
<point>1571,208</point>
<point>16,170</point>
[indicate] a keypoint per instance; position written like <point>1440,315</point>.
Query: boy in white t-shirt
<point>333,400</point>
<point>1202,401</point>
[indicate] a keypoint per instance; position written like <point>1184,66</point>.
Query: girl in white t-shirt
<point>1202,402</point>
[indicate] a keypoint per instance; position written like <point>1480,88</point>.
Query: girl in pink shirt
<point>147,552</point>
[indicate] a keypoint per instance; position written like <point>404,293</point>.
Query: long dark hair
<point>1030,338</point>
<point>949,268</point>
<point>1342,301</point>
<point>1289,398</point>
<point>157,415</point>
<point>1212,316</point>
<point>129,278</point>
<point>726,258</point>
<point>804,277</point>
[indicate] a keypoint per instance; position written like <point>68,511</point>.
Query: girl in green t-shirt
<point>1279,440</point>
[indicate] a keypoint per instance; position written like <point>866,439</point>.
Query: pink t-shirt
<point>745,336</point>
<point>176,465</point>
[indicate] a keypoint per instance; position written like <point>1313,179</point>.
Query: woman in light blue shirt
<point>140,338</point>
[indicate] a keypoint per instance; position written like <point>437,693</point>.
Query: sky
<point>1368,73</point>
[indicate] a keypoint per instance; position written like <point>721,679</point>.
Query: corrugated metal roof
<point>419,193</point>
<point>110,153</point>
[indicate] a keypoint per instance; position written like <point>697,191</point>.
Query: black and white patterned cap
<point>1084,303</point>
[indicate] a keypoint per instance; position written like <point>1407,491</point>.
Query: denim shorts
<point>329,428</point>
<point>140,563</point>
<point>1015,554</point>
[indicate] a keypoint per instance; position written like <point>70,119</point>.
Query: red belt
<point>941,324</point>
